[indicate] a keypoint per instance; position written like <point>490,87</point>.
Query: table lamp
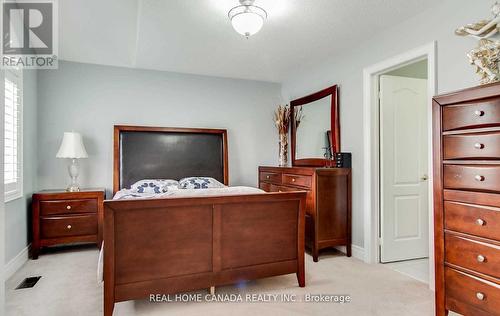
<point>72,148</point>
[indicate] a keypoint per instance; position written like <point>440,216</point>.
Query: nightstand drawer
<point>58,207</point>
<point>54,227</point>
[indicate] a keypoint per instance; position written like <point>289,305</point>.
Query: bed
<point>184,243</point>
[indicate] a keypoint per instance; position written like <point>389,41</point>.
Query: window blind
<point>12,137</point>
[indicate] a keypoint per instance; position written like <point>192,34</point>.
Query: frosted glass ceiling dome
<point>247,19</point>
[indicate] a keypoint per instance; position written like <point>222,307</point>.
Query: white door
<point>404,209</point>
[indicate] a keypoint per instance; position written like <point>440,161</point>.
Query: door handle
<point>424,177</point>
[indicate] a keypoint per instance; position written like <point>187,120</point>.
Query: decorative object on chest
<point>486,56</point>
<point>466,129</point>
<point>61,217</point>
<point>282,123</point>
<point>328,202</point>
<point>342,160</point>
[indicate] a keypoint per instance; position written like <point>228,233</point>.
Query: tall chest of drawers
<point>466,145</point>
<point>328,202</point>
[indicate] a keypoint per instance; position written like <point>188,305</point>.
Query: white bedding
<point>127,194</point>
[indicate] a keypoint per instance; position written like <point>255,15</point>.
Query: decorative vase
<point>283,150</point>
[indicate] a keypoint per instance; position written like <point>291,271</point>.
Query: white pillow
<point>154,186</point>
<point>200,183</point>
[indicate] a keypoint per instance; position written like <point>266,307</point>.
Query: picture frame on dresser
<point>466,144</point>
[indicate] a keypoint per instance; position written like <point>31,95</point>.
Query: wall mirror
<point>315,128</point>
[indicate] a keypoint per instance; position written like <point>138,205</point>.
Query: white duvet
<point>127,194</point>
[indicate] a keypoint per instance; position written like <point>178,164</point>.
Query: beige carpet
<point>69,287</point>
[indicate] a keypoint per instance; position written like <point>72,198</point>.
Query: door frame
<point>371,139</point>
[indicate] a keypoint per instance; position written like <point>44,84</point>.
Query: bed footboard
<point>165,246</point>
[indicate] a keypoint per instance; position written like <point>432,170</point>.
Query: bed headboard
<point>142,152</point>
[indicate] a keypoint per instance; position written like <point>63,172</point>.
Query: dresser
<point>328,204</point>
<point>466,137</point>
<point>61,217</point>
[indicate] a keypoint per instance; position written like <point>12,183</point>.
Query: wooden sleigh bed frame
<point>172,245</point>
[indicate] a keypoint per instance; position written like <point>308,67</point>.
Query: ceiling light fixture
<point>247,19</point>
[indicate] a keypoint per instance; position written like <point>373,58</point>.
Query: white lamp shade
<point>247,19</point>
<point>72,146</point>
<point>247,23</point>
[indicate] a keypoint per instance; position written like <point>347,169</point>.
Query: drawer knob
<point>293,179</point>
<point>478,146</point>
<point>479,178</point>
<point>68,227</point>
<point>480,296</point>
<point>68,207</point>
<point>480,222</point>
<point>479,113</point>
<point>267,177</point>
<point>481,258</point>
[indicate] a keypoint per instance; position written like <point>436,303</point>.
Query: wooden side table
<point>61,217</point>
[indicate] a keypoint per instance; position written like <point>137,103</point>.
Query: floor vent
<point>28,283</point>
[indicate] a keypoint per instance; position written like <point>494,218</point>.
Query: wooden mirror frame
<point>335,126</point>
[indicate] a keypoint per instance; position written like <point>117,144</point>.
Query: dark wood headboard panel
<point>142,152</point>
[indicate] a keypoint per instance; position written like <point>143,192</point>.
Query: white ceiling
<point>195,36</point>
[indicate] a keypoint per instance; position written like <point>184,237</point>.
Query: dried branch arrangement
<point>282,119</point>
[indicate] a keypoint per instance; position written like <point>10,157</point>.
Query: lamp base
<point>72,189</point>
<point>73,173</point>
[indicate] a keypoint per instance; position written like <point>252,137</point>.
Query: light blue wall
<point>453,73</point>
<point>17,212</point>
<point>90,99</point>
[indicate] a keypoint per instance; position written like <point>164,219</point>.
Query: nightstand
<point>61,217</point>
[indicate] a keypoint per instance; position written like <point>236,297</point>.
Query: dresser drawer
<point>485,178</point>
<point>482,221</point>
<point>68,206</point>
<point>471,254</point>
<point>265,186</point>
<point>271,177</point>
<point>472,115</point>
<point>281,188</point>
<point>472,146</point>
<point>469,295</point>
<point>298,180</point>
<point>63,226</point>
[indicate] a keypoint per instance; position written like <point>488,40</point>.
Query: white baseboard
<point>17,262</point>
<point>357,251</point>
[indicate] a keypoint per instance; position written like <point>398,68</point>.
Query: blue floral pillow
<point>154,186</point>
<point>200,183</point>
